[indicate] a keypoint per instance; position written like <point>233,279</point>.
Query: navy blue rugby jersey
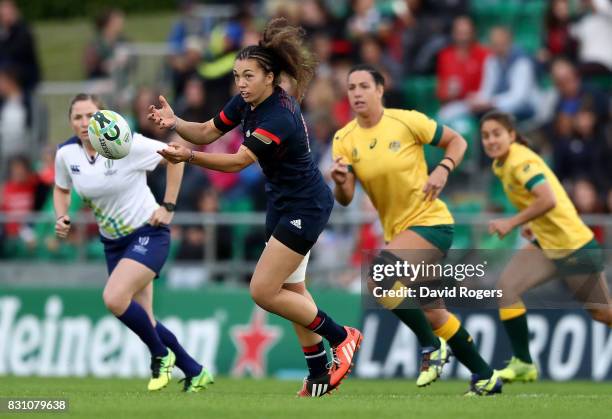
<point>276,133</point>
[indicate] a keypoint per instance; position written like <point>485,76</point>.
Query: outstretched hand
<point>164,116</point>
<point>175,153</point>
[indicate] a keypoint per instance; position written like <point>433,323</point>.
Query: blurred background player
<point>383,149</point>
<point>299,201</point>
<point>560,243</point>
<point>134,230</point>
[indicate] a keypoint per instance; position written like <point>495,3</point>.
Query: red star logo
<point>253,342</point>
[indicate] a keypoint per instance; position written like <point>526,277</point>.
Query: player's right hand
<point>62,226</point>
<point>164,117</point>
<point>339,171</point>
<point>175,153</point>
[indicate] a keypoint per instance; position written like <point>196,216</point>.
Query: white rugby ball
<point>110,134</point>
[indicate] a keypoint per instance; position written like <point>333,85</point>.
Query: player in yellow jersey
<point>562,244</point>
<point>383,149</point>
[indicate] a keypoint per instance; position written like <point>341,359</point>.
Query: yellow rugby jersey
<point>560,228</point>
<point>389,161</point>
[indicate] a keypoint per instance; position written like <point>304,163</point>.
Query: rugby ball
<point>110,134</point>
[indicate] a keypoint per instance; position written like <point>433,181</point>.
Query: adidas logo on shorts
<point>296,223</point>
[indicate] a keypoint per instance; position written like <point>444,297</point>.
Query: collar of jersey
<point>499,163</point>
<point>90,161</point>
<point>267,100</point>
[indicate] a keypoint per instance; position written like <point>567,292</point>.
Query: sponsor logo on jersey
<point>373,143</point>
<point>355,155</point>
<point>394,145</point>
<point>296,223</point>
<point>75,169</point>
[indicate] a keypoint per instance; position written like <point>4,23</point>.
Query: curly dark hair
<point>282,50</point>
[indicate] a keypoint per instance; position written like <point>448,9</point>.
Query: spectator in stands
<point>393,97</point>
<point>185,65</point>
<point>193,106</point>
<point>105,56</point>
<point>574,93</point>
<point>17,46</point>
<point>320,96</point>
<point>366,19</point>
<point>225,40</point>
<point>314,17</point>
<point>460,65</point>
<point>556,38</point>
<point>45,170</point>
<point>593,33</point>
<point>196,239</point>
<point>322,46</point>
<point>13,117</point>
<point>588,201</point>
<point>186,44</point>
<point>321,129</point>
<point>229,143</point>
<point>371,51</point>
<point>341,108</point>
<point>18,196</point>
<point>509,82</point>
<point>583,154</point>
<point>420,31</point>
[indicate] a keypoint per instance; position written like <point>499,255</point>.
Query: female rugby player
<point>133,229</point>
<point>561,244</point>
<point>299,201</point>
<point>383,149</point>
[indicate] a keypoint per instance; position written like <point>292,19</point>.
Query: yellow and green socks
<point>514,319</point>
<point>463,348</point>
<point>415,319</point>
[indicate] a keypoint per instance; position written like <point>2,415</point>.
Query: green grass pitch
<point>356,399</point>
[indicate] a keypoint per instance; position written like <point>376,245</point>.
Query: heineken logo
<point>55,344</point>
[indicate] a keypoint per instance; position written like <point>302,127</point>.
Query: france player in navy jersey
<point>299,201</point>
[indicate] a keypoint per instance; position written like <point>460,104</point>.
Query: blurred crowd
<point>454,59</point>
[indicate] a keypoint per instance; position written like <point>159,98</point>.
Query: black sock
<point>324,325</point>
<point>316,359</point>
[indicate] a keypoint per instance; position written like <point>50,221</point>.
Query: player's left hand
<point>435,183</point>
<point>161,216</point>
<point>175,153</point>
<point>501,227</point>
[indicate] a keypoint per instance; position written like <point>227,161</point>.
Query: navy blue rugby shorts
<point>298,229</point>
<point>148,245</point>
